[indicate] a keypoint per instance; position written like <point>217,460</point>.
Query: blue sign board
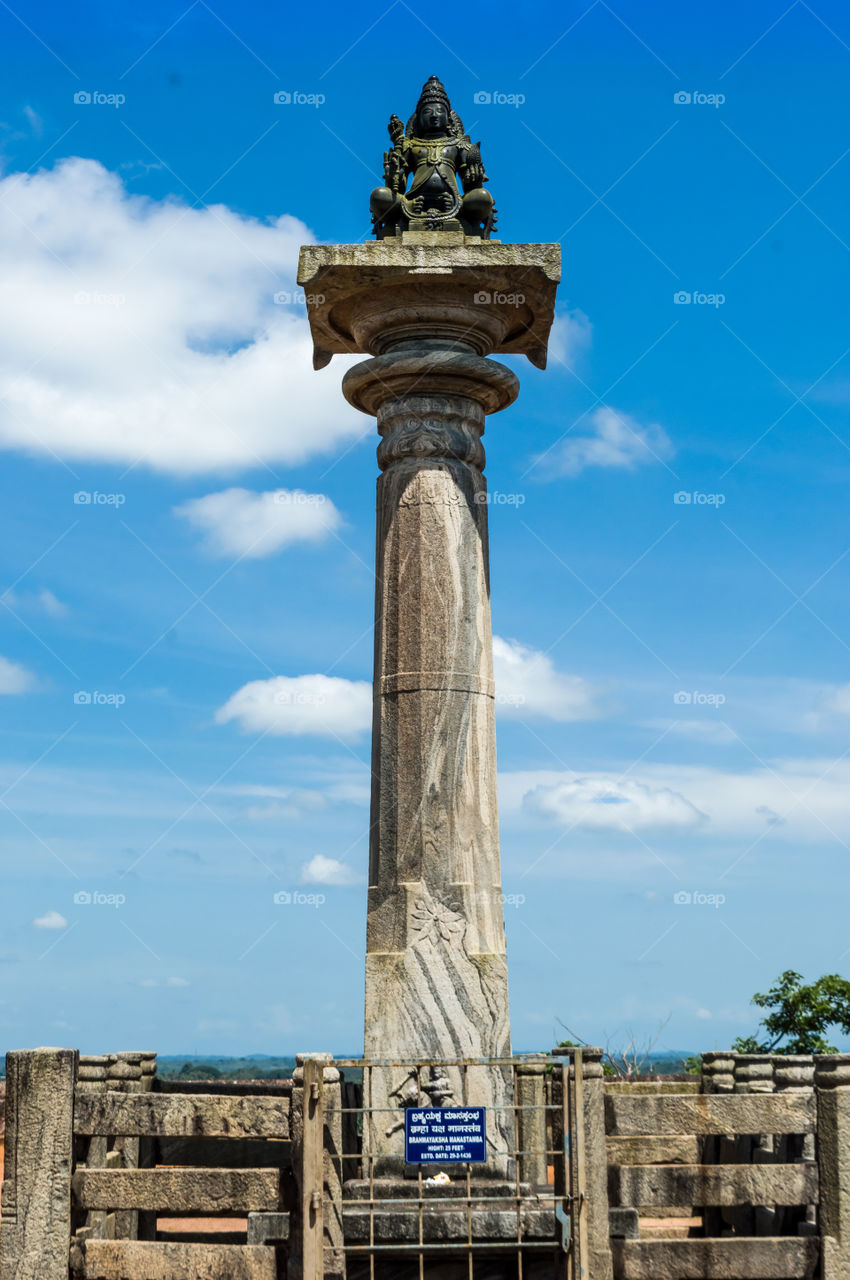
<point>445,1135</point>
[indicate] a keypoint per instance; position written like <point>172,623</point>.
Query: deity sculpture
<point>434,148</point>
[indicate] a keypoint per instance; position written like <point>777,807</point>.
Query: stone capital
<point>460,292</point>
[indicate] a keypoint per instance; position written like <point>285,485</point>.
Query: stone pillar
<point>429,307</point>
<point>718,1072</point>
<point>35,1229</point>
<point>599,1264</point>
<point>532,1128</point>
<point>794,1073</point>
<point>832,1088</point>
<point>718,1076</point>
<point>316,1128</point>
<point>754,1074</point>
<point>436,964</point>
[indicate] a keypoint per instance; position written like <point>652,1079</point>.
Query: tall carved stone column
<point>430,307</point>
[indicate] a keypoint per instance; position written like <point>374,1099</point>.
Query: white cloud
<point>613,803</point>
<point>838,700</point>
<point>44,601</point>
<point>799,801</point>
<point>136,330</point>
<point>164,982</point>
<point>313,704</point>
<point>52,920</point>
<point>617,440</point>
<point>14,678</point>
<point>322,870</point>
<point>527,684</point>
<point>570,337</point>
<point>237,522</point>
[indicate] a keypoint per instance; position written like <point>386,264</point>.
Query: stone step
<point>392,1223</point>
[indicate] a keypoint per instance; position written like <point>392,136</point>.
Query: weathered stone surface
<point>35,1229</point>
<point>178,1190</point>
<point>176,1115</point>
<point>225,1153</point>
<point>124,1071</point>
<point>832,1080</point>
<point>91,1073</point>
<point>669,1149</point>
<point>402,1225</point>
<point>268,1228</point>
<point>532,1138</point>
<point>365,297</point>
<point>483,1189</point>
<point>706,1184</point>
<point>762,1259</point>
<point>436,969</point>
<point>624,1223</point>
<point>640,1088</point>
<point>711,1113</point>
<point>594,1225</point>
<point>129,1260</point>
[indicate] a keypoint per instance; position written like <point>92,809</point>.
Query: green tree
<point>801,1013</point>
<point>198,1071</point>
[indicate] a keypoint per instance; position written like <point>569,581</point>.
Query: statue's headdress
<point>433,90</point>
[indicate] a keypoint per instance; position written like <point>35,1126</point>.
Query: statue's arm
<point>470,168</point>
<point>394,168</point>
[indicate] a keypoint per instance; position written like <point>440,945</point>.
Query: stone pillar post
<point>35,1229</point>
<point>599,1259</point>
<point>794,1073</point>
<point>316,1128</point>
<point>754,1074</point>
<point>436,965</point>
<point>532,1128</point>
<point>429,307</point>
<point>718,1076</point>
<point>832,1088</point>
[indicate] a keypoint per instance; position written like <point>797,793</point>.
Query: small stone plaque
<point>445,1135</point>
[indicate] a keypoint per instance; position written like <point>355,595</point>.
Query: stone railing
<point>763,1150</point>
<point>82,1192</point>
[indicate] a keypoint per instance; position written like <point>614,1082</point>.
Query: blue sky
<point>214,599</point>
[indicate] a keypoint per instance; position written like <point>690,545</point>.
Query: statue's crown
<point>433,91</point>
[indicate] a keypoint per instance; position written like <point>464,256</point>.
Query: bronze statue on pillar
<point>436,150</point>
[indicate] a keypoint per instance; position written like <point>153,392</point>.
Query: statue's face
<point>433,118</point>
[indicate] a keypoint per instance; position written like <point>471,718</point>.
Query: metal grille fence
<point>397,1220</point>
